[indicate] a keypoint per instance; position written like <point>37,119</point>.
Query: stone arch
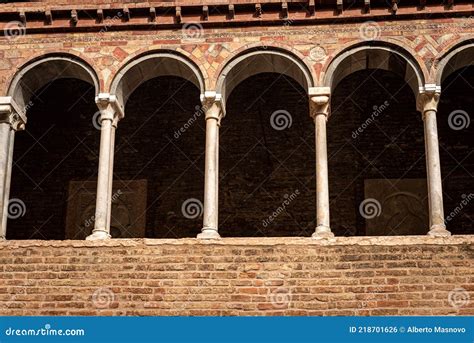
<point>376,55</point>
<point>149,66</point>
<point>262,60</point>
<point>461,55</point>
<point>37,73</point>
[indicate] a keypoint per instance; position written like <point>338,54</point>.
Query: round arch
<point>256,61</point>
<point>37,73</point>
<point>152,65</point>
<point>456,58</point>
<point>375,56</point>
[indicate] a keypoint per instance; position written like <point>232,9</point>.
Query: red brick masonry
<point>414,275</point>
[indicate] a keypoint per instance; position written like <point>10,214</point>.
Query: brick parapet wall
<point>414,275</point>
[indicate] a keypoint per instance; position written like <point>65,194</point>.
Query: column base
<point>439,231</point>
<point>322,232</point>
<point>208,233</point>
<point>98,235</point>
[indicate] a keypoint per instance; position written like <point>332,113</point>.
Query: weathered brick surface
<point>297,276</point>
<point>425,41</point>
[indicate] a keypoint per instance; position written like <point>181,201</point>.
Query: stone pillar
<point>428,100</point>
<point>12,119</point>
<point>214,113</point>
<point>319,111</point>
<point>111,169</point>
<point>110,114</point>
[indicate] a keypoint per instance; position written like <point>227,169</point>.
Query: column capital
<point>11,113</point>
<point>428,98</point>
<point>320,101</point>
<point>109,107</point>
<point>212,105</point>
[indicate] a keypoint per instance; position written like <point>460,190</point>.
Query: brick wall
<point>279,276</point>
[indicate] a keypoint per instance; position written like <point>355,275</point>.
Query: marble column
<point>428,100</point>
<point>213,108</point>
<point>319,111</point>
<point>12,119</point>
<point>109,115</point>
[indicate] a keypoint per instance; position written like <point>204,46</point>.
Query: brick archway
<point>256,61</point>
<point>379,56</point>
<point>457,58</point>
<point>152,65</point>
<point>38,73</point>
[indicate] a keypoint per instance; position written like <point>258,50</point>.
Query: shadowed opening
<point>377,173</point>
<point>267,185</point>
<point>159,167</point>
<point>456,148</point>
<point>59,148</point>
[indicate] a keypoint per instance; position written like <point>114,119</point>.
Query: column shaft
<point>319,107</point>
<point>322,185</point>
<point>211,178</point>
<point>7,135</point>
<point>111,173</point>
<point>101,225</point>
<point>433,170</point>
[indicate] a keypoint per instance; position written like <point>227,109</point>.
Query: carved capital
<point>109,108</point>
<point>212,105</point>
<point>320,101</point>
<point>428,99</point>
<point>11,114</point>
